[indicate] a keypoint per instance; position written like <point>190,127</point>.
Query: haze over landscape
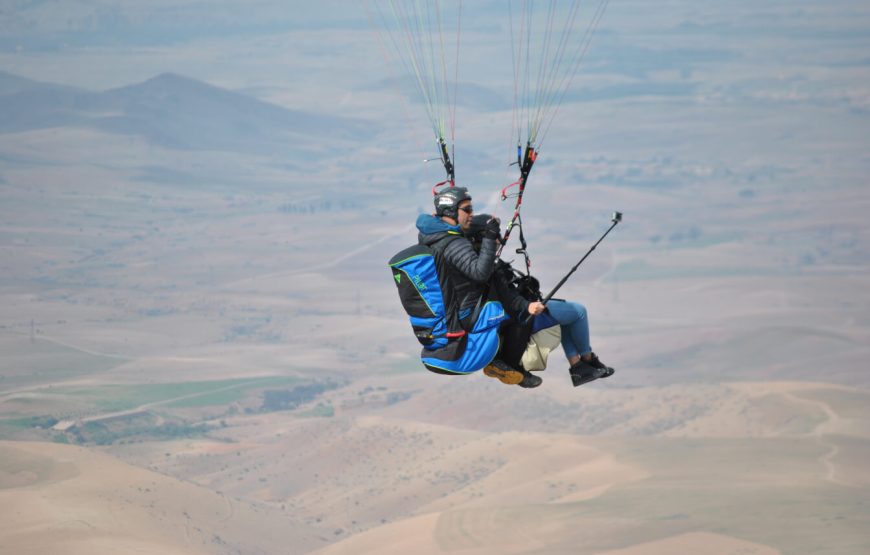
<point>202,351</point>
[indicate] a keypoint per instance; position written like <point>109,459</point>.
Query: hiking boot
<point>504,373</point>
<point>586,371</point>
<point>511,376</point>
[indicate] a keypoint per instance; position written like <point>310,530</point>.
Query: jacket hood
<point>432,228</point>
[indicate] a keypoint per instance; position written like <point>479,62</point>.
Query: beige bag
<point>539,347</point>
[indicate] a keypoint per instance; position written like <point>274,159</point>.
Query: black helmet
<point>447,201</point>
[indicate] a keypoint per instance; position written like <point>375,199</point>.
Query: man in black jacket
<point>468,272</point>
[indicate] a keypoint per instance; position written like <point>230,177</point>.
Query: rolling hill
<point>169,110</point>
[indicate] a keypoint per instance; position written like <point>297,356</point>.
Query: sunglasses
<point>467,209</point>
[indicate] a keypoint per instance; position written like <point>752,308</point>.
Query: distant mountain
<point>13,84</point>
<point>170,110</point>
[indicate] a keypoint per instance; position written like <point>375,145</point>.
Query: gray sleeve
<point>476,267</point>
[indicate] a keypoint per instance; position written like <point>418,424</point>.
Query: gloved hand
<point>478,225</point>
<point>492,229</point>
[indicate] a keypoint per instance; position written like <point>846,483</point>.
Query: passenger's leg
<point>574,321</point>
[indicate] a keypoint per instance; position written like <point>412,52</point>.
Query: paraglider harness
<point>451,344</point>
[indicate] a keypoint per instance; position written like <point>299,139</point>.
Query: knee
<point>579,310</point>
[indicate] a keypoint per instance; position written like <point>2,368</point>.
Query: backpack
<point>416,275</point>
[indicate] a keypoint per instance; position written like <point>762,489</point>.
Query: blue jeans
<point>575,326</point>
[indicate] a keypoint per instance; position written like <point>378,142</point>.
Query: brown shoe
<point>504,373</point>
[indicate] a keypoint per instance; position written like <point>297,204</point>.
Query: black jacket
<point>467,273</point>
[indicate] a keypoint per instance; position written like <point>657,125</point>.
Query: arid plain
<point>203,352</point>
<point>737,422</point>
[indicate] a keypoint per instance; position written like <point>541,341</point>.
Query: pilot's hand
<point>492,229</point>
<point>536,308</point>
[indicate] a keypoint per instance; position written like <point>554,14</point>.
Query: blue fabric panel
<point>482,343</point>
<point>423,274</point>
<point>439,329</point>
<point>491,315</point>
<point>543,321</point>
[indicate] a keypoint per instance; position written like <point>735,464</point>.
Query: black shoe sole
<point>580,379</point>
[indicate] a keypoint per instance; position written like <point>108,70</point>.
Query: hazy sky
<point>102,44</point>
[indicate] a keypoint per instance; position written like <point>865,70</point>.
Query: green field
<point>113,398</point>
<point>28,422</point>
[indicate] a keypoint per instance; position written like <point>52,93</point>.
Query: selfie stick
<point>617,217</point>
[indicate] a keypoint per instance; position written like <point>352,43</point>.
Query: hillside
<point>90,503</point>
<point>168,110</point>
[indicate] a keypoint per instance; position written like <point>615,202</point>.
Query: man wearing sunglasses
<point>468,272</point>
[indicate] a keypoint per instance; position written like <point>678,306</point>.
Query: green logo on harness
<point>419,283</point>
<point>398,277</point>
